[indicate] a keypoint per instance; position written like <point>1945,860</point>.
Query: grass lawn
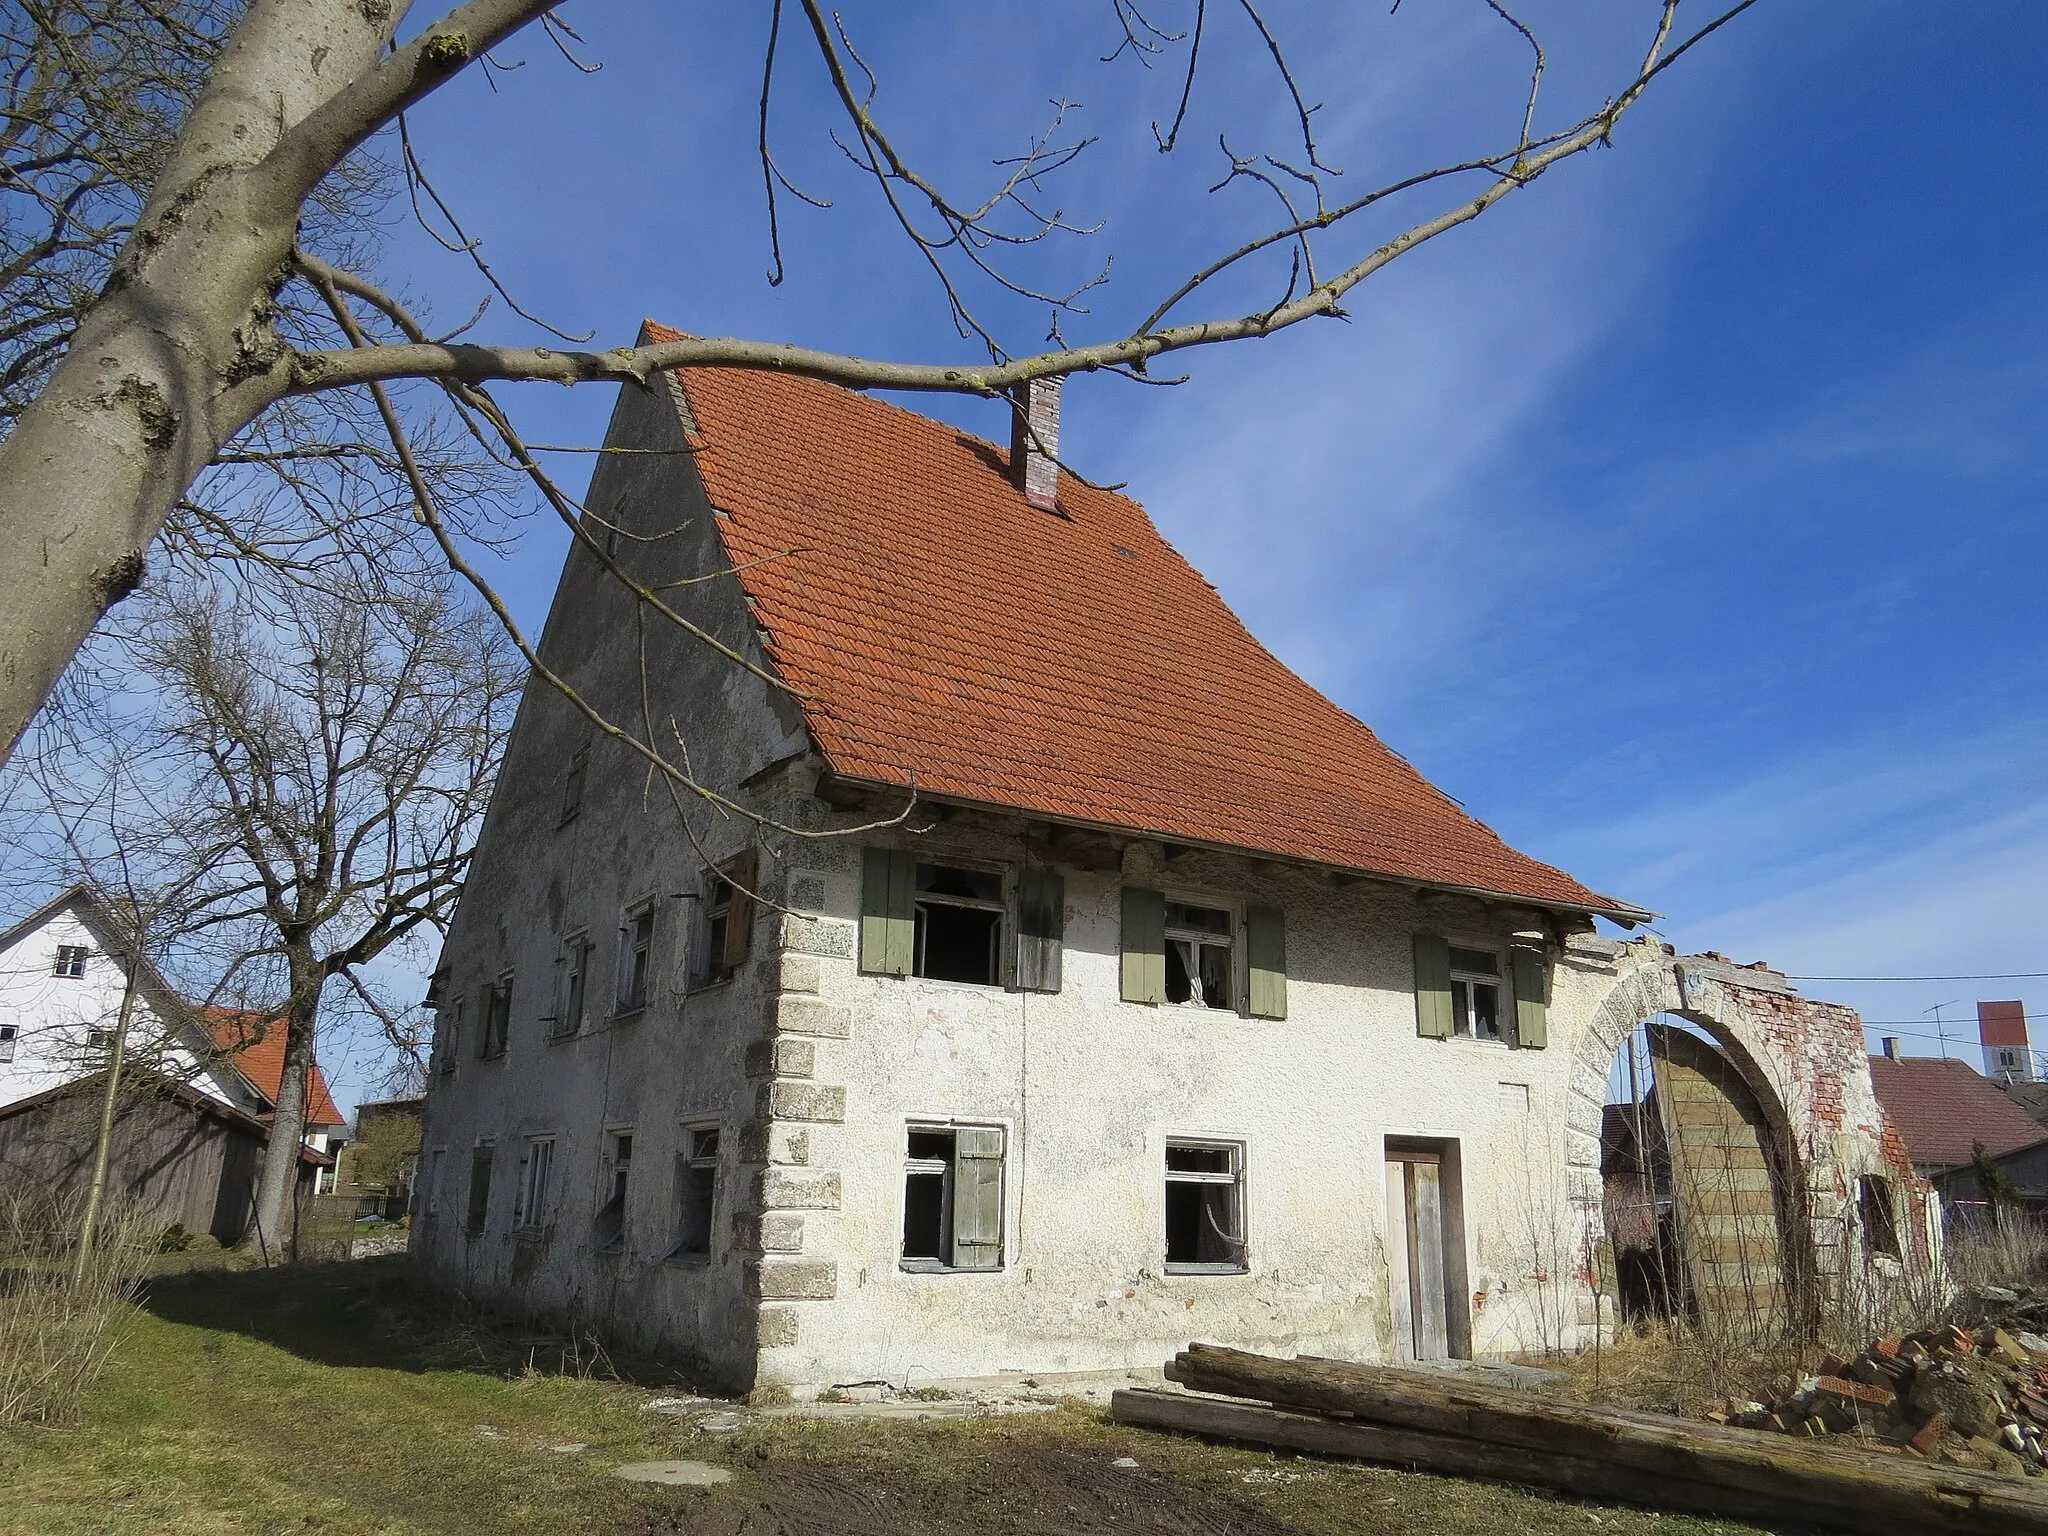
<point>324,1399</point>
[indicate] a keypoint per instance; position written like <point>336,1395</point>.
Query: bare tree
<point>311,783</point>
<point>192,344</point>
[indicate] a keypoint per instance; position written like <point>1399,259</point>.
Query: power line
<point>1982,976</point>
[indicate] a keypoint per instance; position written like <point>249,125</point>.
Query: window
<point>696,1192</point>
<point>99,1039</point>
<point>480,1187</point>
<point>636,962</point>
<point>572,784</point>
<point>953,1197</point>
<point>611,1216</point>
<point>497,1017</point>
<point>536,1181</point>
<point>1475,993</point>
<point>728,920</point>
<point>71,960</point>
<point>575,983</point>
<point>1198,956</point>
<point>8,1032</point>
<point>1204,1207</point>
<point>1880,1216</point>
<point>958,934</point>
<point>448,1034</point>
<point>435,1161</point>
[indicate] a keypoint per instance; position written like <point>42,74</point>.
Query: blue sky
<point>1682,517</point>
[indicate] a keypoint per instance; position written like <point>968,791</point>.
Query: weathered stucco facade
<point>813,1066</point>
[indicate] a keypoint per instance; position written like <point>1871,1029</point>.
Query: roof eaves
<point>1619,912</point>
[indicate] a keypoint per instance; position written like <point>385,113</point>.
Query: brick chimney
<point>1035,441</point>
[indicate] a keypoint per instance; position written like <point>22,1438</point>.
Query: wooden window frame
<point>616,1188</point>
<point>71,961</point>
<point>494,1039</point>
<point>536,1182</point>
<point>947,1169</point>
<point>1000,905</point>
<point>1464,1018</point>
<point>634,996</point>
<point>1231,941</point>
<point>572,990</point>
<point>693,1157</point>
<point>1234,1178</point>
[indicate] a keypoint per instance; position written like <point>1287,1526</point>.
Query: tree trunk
<point>177,355</point>
<point>277,1183</point>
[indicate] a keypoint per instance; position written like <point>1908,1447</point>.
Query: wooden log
<point>1255,1424</point>
<point>1876,1492</point>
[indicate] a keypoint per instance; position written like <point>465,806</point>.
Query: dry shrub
<point>57,1333</point>
<point>2011,1251</point>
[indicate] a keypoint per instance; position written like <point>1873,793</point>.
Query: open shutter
<point>1265,945</point>
<point>1432,986</point>
<point>978,1197</point>
<point>1532,997</point>
<point>888,910</point>
<point>1041,917</point>
<point>1144,944</point>
<point>740,874</point>
<point>479,1190</point>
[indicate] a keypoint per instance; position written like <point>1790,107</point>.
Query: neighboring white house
<point>1092,984</point>
<point>64,976</point>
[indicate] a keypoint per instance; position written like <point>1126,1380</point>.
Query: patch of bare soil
<point>1029,1488</point>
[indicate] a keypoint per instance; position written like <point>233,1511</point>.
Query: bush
<point>57,1331</point>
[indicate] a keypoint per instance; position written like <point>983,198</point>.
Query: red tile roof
<point>940,630</point>
<point>1943,1107</point>
<point>256,1046</point>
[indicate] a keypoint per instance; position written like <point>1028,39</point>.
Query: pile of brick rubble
<point>1971,1398</point>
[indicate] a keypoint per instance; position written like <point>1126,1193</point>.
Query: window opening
<point>696,1192</point>
<point>497,1017</point>
<point>1204,1207</point>
<point>449,1035</point>
<point>536,1184</point>
<point>1198,956</point>
<point>480,1187</point>
<point>435,1162</point>
<point>953,1197</point>
<point>717,921</point>
<point>611,1216</point>
<point>639,967</point>
<point>98,1039</point>
<point>575,979</point>
<point>572,783</point>
<point>71,960</point>
<point>1880,1217</point>
<point>1475,993</point>
<point>959,925</point>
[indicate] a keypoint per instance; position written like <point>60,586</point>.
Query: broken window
<point>1475,993</point>
<point>572,783</point>
<point>728,920</point>
<point>953,1197</point>
<point>448,1033</point>
<point>958,932</point>
<point>71,960</point>
<point>696,1192</point>
<point>497,1017</point>
<point>536,1183</point>
<point>1198,956</point>
<point>574,985</point>
<point>1204,1207</point>
<point>1880,1216</point>
<point>611,1216</point>
<point>480,1187</point>
<point>636,963</point>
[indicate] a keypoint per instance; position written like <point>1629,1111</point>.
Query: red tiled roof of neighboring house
<point>1942,1108</point>
<point>255,1044</point>
<point>941,631</point>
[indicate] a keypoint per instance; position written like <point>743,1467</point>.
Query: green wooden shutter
<point>1266,955</point>
<point>1532,997</point>
<point>479,1189</point>
<point>1144,945</point>
<point>978,1197</point>
<point>741,874</point>
<point>1432,986</point>
<point>1041,918</point>
<point>888,910</point>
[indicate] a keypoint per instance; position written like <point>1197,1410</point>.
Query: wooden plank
<point>1254,1424</point>
<point>1400,1286</point>
<point>1432,1338</point>
<point>1878,1490</point>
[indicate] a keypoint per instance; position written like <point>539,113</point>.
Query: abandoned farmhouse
<point>1040,975</point>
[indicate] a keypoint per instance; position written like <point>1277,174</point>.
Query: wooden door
<point>1415,1255</point>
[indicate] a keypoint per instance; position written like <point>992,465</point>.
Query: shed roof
<point>941,632</point>
<point>1943,1108</point>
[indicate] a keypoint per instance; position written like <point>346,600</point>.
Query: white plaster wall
<point>1090,1088</point>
